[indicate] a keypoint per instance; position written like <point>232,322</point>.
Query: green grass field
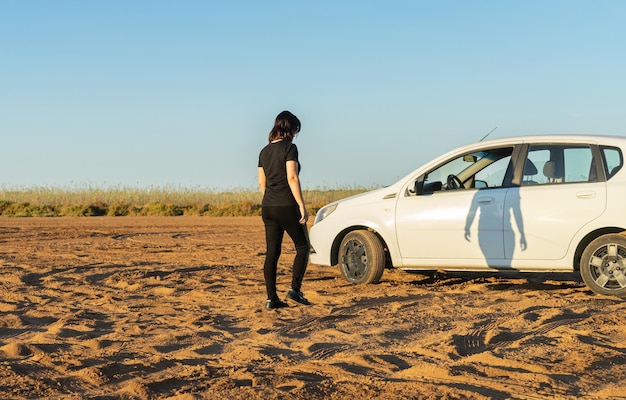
<point>157,201</point>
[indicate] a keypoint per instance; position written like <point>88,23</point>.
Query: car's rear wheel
<point>361,257</point>
<point>603,265</point>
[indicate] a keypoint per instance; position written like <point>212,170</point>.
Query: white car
<point>529,204</point>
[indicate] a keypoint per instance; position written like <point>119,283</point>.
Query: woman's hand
<point>304,214</point>
<point>296,190</point>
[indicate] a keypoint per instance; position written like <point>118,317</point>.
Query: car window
<point>493,174</point>
<point>480,170</point>
<point>613,160</point>
<point>550,164</point>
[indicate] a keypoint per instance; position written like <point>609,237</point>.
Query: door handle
<point>486,200</point>
<point>587,194</point>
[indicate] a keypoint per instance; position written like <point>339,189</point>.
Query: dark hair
<point>285,127</point>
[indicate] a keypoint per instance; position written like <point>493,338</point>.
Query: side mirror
<point>422,188</point>
<point>419,186</point>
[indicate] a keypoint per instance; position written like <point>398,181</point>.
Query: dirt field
<point>152,308</point>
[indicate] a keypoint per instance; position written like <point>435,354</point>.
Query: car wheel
<point>603,265</point>
<point>361,257</point>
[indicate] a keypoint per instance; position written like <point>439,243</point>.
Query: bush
<point>122,201</point>
<point>160,209</point>
<point>119,210</point>
<point>11,209</point>
<point>5,204</point>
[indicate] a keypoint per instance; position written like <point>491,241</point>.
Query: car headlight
<point>325,212</point>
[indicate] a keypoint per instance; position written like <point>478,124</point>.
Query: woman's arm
<point>262,180</point>
<point>294,185</point>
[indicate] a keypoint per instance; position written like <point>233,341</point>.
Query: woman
<point>283,209</point>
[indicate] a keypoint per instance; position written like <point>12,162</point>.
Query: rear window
<point>613,160</point>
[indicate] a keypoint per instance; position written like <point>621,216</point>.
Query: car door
<point>555,203</point>
<point>436,223</point>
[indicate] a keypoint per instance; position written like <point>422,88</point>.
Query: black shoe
<point>271,304</point>
<point>297,296</point>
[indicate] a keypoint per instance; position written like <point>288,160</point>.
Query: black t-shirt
<point>273,158</point>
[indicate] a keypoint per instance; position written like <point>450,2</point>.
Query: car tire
<point>361,257</point>
<point>603,265</point>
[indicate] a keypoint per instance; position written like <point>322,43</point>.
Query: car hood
<point>387,192</point>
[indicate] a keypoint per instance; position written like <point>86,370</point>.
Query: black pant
<point>277,220</point>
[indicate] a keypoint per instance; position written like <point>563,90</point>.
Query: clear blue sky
<point>184,93</point>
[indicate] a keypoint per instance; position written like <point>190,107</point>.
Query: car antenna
<point>489,133</point>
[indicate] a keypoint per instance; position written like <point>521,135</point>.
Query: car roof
<point>560,138</point>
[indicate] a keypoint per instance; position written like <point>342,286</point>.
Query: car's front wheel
<point>603,265</point>
<point>361,257</point>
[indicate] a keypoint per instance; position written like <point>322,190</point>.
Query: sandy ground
<point>152,308</point>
